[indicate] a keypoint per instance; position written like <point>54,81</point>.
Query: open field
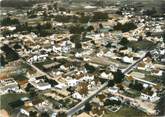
<point>126,112</point>
<point>8,98</point>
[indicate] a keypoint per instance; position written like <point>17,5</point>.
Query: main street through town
<point>87,99</point>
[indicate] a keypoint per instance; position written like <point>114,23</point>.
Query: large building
<point>7,85</point>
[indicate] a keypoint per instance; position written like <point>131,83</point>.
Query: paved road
<point>144,81</point>
<point>82,103</point>
<point>145,106</point>
<point>130,67</point>
<point>43,73</point>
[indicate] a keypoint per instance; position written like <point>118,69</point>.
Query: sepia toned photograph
<point>82,58</point>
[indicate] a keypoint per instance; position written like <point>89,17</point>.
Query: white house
<point>78,55</point>
<point>60,86</point>
<point>72,83</point>
<point>110,54</point>
<point>88,78</point>
<point>113,90</point>
<point>39,84</point>
<point>54,114</point>
<point>127,59</point>
<point>25,112</point>
<point>77,96</point>
<point>36,58</point>
<point>100,54</point>
<point>62,67</point>
<point>43,86</point>
<point>8,85</point>
<point>158,73</point>
<point>57,49</point>
<point>151,98</point>
<point>106,76</point>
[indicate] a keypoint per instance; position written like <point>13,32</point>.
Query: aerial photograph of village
<point>82,58</point>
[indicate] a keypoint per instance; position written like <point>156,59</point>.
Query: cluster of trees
<point>76,29</point>
<point>137,86</point>
<point>100,16</point>
<point>17,3</point>
<point>65,18</point>
<point>97,16</point>
<point>31,14</point>
<point>124,41</point>
<point>90,68</point>
<point>11,55</point>
<point>150,12</point>
<point>8,21</point>
<point>2,60</point>
<point>118,78</point>
<point>160,107</point>
<point>76,38</point>
<point>163,35</point>
<point>40,29</point>
<point>125,27</point>
<point>111,102</point>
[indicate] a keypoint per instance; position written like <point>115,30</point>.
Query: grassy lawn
<point>140,45</point>
<point>8,98</point>
<point>126,112</point>
<point>40,64</point>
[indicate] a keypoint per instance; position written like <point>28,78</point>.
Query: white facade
<point>113,90</point>
<point>77,96</point>
<point>127,59</point>
<point>36,58</point>
<point>40,84</point>
<point>23,111</point>
<point>72,83</point>
<point>151,98</point>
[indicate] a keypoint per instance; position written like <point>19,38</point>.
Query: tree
<point>118,76</point>
<point>76,29</point>
<point>150,12</point>
<point>90,68</point>
<point>11,55</point>
<point>111,83</point>
<point>90,28</point>
<point>2,61</point>
<point>162,78</point>
<point>88,107</point>
<point>83,88</point>
<point>33,114</point>
<point>101,26</point>
<point>118,26</point>
<point>124,41</point>
<point>55,5</point>
<point>71,89</point>
<point>6,32</point>
<point>44,114</point>
<point>8,21</point>
<point>137,86</point>
<point>61,114</point>
<point>148,33</point>
<point>119,12</point>
<point>160,107</point>
<point>163,35</point>
<point>75,38</point>
<point>125,27</point>
<point>100,16</point>
<point>17,46</point>
<point>111,102</point>
<point>108,45</point>
<point>78,45</point>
